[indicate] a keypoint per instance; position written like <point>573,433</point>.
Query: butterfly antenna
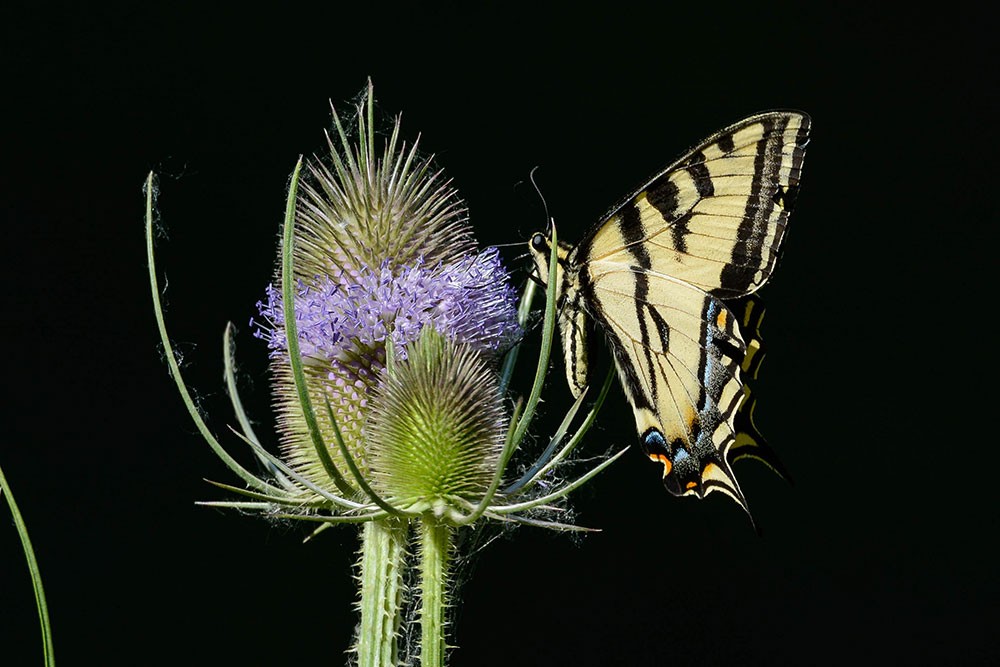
<point>545,205</point>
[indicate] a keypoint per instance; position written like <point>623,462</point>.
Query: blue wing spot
<point>653,442</point>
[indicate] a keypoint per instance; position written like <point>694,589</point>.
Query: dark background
<point>879,326</point>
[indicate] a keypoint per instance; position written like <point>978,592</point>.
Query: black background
<point>878,330</point>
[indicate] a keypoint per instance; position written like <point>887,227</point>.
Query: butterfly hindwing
<point>654,274</point>
<point>679,354</point>
<point>750,443</point>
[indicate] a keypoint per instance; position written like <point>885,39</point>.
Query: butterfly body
<point>657,277</point>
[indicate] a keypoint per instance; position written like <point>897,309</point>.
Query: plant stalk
<point>36,577</point>
<point>435,555</point>
<point>383,550</point>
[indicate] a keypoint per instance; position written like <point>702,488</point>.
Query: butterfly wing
<point>653,274</point>
<point>716,218</point>
<point>679,352</point>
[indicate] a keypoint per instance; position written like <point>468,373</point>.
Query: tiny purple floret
<point>470,301</point>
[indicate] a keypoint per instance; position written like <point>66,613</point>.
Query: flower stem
<point>36,577</point>
<point>435,552</point>
<point>383,549</point>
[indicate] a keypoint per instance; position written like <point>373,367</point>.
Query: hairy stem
<point>435,552</point>
<point>383,550</point>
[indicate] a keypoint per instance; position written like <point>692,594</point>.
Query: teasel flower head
<point>392,395</point>
<point>382,249</point>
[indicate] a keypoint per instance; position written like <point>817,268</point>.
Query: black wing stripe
<point>662,195</point>
<point>632,232</point>
<point>725,142</point>
<point>738,277</point>
<point>699,174</point>
<point>633,386</point>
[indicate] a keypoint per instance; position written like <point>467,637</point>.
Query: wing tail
<point>749,442</point>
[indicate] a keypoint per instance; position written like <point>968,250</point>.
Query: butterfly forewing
<point>716,218</point>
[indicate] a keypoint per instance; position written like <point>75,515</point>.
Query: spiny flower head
<point>390,404</point>
<point>382,249</point>
<point>358,210</point>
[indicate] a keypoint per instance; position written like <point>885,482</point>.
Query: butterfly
<point>661,276</point>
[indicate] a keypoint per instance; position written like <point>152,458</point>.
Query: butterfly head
<point>540,246</point>
<point>540,243</point>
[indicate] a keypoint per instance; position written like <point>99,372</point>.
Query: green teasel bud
<point>436,428</point>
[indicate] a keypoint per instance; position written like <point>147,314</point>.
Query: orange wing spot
<point>721,320</point>
<point>662,458</point>
<point>691,485</point>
